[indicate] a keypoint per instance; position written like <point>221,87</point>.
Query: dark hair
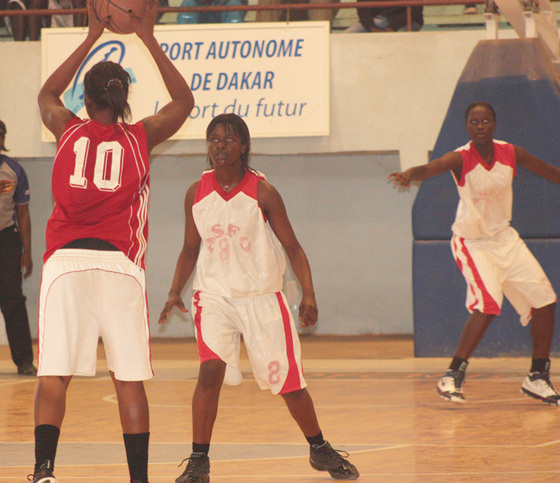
<point>3,132</point>
<point>487,106</point>
<point>238,127</point>
<point>106,84</point>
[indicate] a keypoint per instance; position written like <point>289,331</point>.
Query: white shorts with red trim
<point>269,334</point>
<point>87,294</point>
<point>498,266</point>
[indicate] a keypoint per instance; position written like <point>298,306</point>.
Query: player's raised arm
<point>53,113</point>
<point>170,117</point>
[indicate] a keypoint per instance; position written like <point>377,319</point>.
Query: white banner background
<point>276,76</point>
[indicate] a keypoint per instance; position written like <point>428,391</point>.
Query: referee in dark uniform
<point>15,257</point>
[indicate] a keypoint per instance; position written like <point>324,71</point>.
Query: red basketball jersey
<point>101,187</point>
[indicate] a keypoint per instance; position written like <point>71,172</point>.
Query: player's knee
<point>211,374</point>
<point>545,312</point>
<point>294,395</point>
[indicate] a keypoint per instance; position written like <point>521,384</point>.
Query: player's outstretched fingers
<point>164,314</point>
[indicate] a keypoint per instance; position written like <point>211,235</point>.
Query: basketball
<point>118,13</point>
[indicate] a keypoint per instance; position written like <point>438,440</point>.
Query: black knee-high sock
<point>137,455</point>
<point>46,442</point>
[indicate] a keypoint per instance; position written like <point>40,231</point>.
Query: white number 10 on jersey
<point>108,165</point>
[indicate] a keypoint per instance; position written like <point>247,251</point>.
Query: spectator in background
<point>15,256</point>
<point>76,20</point>
<point>387,19</point>
<point>162,3</point>
<point>294,15</point>
<point>211,17</point>
<point>23,26</point>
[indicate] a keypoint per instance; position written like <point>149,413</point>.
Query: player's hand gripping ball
<point>119,13</point>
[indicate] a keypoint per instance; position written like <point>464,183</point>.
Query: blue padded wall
<point>517,78</point>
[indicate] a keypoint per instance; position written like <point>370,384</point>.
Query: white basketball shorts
<point>498,266</point>
<point>269,334</point>
<point>87,294</point>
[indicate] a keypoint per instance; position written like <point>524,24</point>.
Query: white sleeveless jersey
<point>239,256</point>
<point>485,191</point>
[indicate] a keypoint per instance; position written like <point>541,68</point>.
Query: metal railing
<point>408,4</point>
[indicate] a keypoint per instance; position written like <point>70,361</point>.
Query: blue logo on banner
<point>113,50</point>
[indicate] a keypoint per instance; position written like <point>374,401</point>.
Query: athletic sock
<point>136,446</point>
<point>540,365</point>
<point>201,448</point>
<point>317,440</point>
<point>458,364</point>
<point>46,442</point>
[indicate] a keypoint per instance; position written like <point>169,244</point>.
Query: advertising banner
<point>274,75</point>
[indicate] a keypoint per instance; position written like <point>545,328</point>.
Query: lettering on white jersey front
<point>223,239</point>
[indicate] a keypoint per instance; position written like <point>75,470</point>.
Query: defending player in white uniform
<point>489,252</point>
<point>236,225</point>
<point>239,272</point>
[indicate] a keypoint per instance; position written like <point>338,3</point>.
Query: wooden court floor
<point>373,398</point>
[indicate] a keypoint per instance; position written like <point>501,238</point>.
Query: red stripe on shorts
<point>204,352</point>
<point>489,304</point>
<point>148,331</point>
<point>293,381</point>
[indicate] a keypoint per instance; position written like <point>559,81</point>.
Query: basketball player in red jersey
<point>236,227</point>
<point>93,277</point>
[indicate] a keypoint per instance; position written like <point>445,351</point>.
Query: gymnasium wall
<point>389,96</point>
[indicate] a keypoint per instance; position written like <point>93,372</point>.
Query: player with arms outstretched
<point>492,257</point>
